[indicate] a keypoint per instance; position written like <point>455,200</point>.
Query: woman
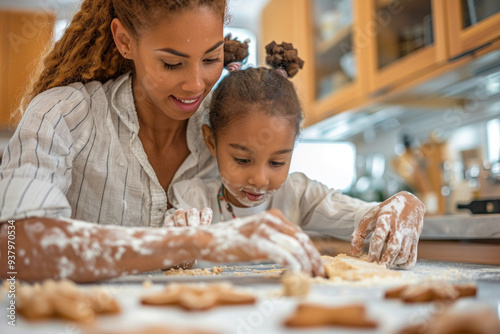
<point>110,126</point>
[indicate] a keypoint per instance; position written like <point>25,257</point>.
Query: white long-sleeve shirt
<point>305,202</point>
<point>76,154</point>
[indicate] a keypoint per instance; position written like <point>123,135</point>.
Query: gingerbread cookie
<point>63,299</point>
<point>308,315</point>
<point>199,297</point>
<point>471,321</point>
<point>158,330</point>
<point>354,269</point>
<point>431,291</point>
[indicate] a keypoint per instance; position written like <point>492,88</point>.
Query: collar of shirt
<point>122,100</point>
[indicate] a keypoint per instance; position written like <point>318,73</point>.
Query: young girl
<point>255,117</point>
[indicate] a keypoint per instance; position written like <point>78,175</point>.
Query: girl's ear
<point>209,138</point>
<point>123,39</point>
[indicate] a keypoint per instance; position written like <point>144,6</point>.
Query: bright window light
<point>331,163</point>
<point>493,130</point>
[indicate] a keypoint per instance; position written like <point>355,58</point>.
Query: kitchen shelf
<point>342,36</point>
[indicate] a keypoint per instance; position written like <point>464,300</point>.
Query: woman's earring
<point>125,55</point>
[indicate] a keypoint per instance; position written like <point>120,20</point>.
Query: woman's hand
<point>396,225</point>
<point>191,217</point>
<point>268,235</point>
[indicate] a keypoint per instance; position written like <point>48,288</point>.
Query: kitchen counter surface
<point>268,314</point>
<point>462,226</point>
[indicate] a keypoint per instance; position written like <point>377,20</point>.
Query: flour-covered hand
<point>265,236</point>
<point>395,225</point>
<point>192,217</point>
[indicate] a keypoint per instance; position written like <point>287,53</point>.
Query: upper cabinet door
<point>473,24</point>
<point>337,62</point>
<point>288,21</point>
<point>403,38</point>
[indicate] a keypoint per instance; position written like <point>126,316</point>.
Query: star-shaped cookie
<point>197,297</point>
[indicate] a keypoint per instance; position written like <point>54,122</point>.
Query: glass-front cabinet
<point>473,25</point>
<point>362,52</point>
<point>404,38</point>
<point>337,63</point>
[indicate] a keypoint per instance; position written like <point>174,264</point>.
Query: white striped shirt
<point>76,154</point>
<point>307,203</point>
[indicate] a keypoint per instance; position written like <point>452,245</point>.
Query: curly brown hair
<point>87,51</point>
<point>240,91</point>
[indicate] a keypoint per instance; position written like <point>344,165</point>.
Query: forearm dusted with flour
<point>85,252</point>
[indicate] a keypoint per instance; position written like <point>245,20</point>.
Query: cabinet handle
<point>469,52</point>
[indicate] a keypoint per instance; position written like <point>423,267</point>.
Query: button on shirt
<point>77,154</point>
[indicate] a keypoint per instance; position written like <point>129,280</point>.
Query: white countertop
<point>464,226</point>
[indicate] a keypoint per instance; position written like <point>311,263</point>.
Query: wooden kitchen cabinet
<point>323,31</point>
<point>25,36</point>
<point>404,39</point>
<point>337,61</point>
<point>287,21</point>
<point>383,49</point>
<point>472,25</point>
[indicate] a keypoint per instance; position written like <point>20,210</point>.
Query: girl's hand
<point>397,221</point>
<point>191,217</point>
<point>265,236</point>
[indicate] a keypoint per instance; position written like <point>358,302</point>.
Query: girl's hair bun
<point>283,57</point>
<point>234,50</point>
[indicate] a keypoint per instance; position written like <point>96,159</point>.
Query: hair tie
<point>235,53</point>
<point>234,66</point>
<point>284,58</point>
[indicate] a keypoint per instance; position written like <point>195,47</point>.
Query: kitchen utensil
<point>485,206</point>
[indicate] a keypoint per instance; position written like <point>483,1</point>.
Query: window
<point>331,163</point>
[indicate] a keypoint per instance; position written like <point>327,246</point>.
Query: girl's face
<point>253,154</point>
<point>178,61</point>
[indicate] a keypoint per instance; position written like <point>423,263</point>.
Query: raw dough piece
<point>63,299</point>
<point>194,272</point>
<point>431,291</point>
<point>199,297</point>
<point>296,283</point>
<point>308,315</point>
<point>354,269</point>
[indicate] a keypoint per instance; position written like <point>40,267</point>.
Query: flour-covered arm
<point>394,225</point>
<point>85,252</point>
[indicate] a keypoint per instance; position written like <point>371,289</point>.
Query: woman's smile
<point>189,104</point>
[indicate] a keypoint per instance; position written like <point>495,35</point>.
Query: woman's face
<point>253,155</point>
<point>178,61</point>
